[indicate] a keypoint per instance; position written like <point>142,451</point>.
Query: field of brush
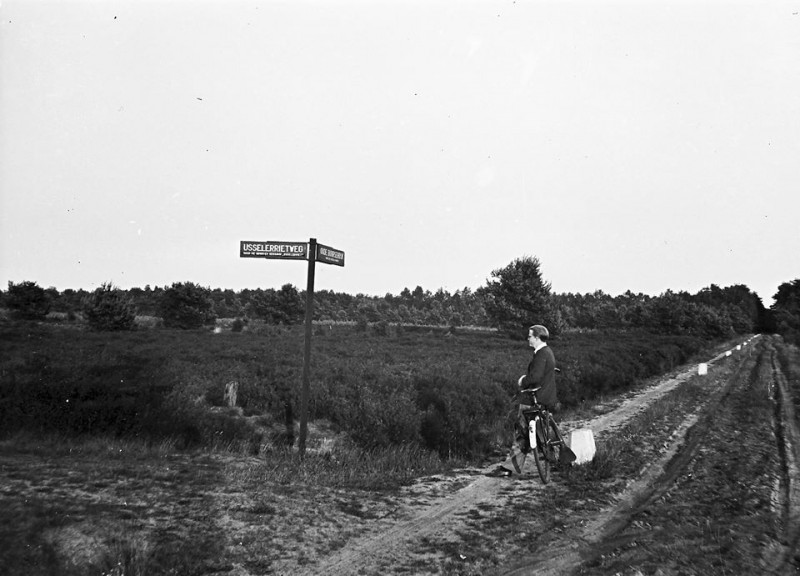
<point>440,391</point>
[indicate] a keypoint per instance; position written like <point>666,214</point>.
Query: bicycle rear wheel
<point>540,455</point>
<point>555,441</point>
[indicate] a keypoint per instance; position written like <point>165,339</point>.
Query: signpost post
<point>312,252</point>
<point>301,443</point>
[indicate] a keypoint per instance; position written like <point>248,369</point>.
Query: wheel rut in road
<point>788,441</point>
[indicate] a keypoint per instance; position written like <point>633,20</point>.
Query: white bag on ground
<point>581,442</point>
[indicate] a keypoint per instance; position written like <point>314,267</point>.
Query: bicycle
<point>543,438</point>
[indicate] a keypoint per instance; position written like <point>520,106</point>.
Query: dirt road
<point>387,548</point>
<point>441,537</point>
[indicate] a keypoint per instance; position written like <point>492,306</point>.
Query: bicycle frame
<point>542,426</point>
<point>534,416</point>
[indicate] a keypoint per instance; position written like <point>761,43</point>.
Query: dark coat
<point>542,373</point>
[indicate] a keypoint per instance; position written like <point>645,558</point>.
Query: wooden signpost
<point>312,252</point>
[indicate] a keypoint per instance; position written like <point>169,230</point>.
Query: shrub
<point>28,300</point>
<point>109,309</point>
<point>237,325</point>
<point>460,413</point>
<point>186,305</point>
<point>381,328</point>
<point>284,306</point>
<point>376,406</point>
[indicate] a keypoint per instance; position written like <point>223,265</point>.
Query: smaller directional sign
<point>330,255</point>
<point>275,250</point>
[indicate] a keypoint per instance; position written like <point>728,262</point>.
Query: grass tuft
<point>350,467</point>
<point>127,556</point>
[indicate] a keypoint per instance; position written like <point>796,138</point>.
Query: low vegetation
<point>445,392</point>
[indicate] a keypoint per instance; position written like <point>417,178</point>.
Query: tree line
<point>514,297</point>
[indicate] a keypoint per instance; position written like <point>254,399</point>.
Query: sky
<point>644,146</point>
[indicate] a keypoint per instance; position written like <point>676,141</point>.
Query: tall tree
<point>516,296</point>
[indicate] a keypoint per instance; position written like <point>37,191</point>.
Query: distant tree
<point>671,313</point>
<point>369,312</point>
<point>406,297</point>
<point>420,297</point>
<point>712,323</point>
<point>516,297</point>
<point>109,308</point>
<point>787,297</point>
<point>741,322</point>
<point>28,300</point>
<point>71,300</point>
<point>456,320</point>
<point>404,314</point>
<point>237,325</point>
<point>750,313</point>
<point>186,305</point>
<point>284,306</point>
<point>145,300</point>
<point>786,310</point>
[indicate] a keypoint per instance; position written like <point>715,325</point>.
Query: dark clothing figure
<point>541,373</point>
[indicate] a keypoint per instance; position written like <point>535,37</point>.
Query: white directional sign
<point>276,250</point>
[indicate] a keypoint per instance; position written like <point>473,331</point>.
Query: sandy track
<point>632,405</point>
<point>387,545</point>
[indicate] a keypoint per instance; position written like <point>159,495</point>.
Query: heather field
<point>442,389</point>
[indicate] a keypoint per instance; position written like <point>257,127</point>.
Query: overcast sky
<point>642,146</point>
